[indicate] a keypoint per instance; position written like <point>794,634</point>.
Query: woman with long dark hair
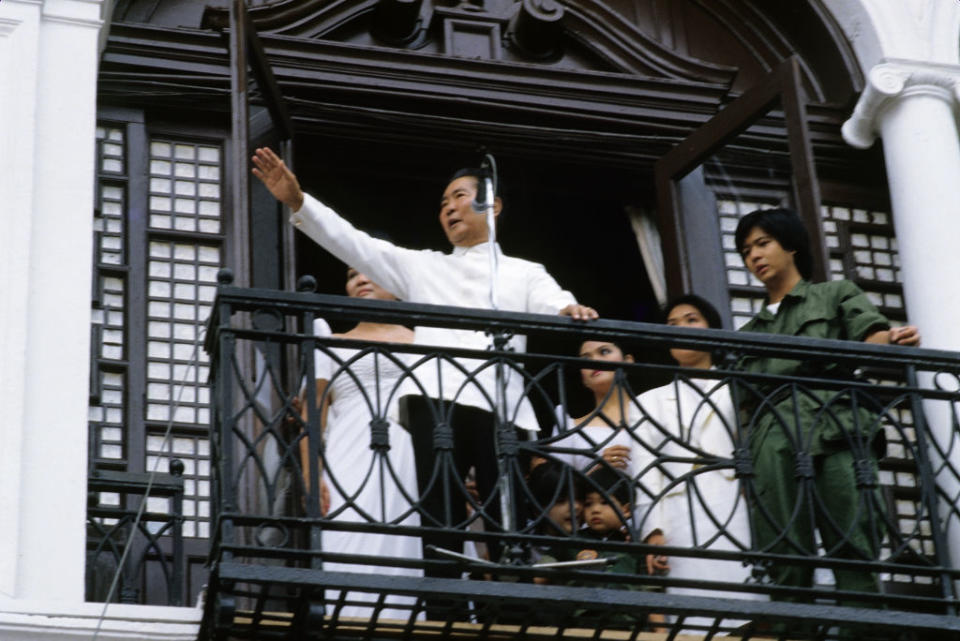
<point>360,482</point>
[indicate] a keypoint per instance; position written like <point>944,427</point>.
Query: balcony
<point>272,576</point>
<point>145,545</point>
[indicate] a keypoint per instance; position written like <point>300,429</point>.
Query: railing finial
<point>306,284</point>
<point>177,467</point>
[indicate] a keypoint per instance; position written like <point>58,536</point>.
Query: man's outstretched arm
<point>277,177</point>
<point>387,264</point>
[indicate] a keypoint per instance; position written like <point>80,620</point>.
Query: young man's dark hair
<point>786,228</point>
<point>709,312</point>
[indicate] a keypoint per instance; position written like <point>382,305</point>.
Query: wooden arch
<point>728,42</point>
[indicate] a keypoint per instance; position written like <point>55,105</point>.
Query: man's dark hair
<point>708,311</point>
<point>604,479</point>
<point>476,174</point>
<point>472,172</point>
<point>786,228</point>
<point>550,483</point>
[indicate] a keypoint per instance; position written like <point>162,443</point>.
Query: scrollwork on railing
<point>762,487</point>
<point>137,553</point>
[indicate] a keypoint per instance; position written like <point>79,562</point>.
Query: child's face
<point>601,516</point>
<point>559,514</point>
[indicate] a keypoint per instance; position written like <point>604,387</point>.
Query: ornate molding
<point>83,13</point>
<point>604,31</point>
<point>539,28</point>
<point>8,26</point>
<point>893,80</point>
<point>303,67</point>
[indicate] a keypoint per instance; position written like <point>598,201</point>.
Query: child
<point>557,507</point>
<point>608,520</point>
<point>556,495</point>
<point>606,513</point>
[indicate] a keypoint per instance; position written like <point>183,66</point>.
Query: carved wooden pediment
<point>568,34</point>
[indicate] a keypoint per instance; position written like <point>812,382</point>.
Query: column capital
<point>82,13</point>
<point>895,79</point>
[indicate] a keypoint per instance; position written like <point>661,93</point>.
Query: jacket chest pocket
<point>817,324</point>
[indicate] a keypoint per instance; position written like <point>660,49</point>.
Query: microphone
<point>486,176</point>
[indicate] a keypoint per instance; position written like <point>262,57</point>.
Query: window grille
<point>144,376</point>
<point>861,246</point>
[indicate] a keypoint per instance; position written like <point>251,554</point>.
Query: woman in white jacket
<point>689,432</point>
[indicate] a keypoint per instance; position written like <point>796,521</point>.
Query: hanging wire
<point>164,448</point>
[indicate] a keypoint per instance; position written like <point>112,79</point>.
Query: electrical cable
<point>164,446</point>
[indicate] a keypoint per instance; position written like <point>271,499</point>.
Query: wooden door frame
<point>781,88</point>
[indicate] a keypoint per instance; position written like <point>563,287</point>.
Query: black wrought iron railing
<point>798,507</point>
<point>135,552</point>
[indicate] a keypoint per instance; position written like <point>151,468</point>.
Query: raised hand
<point>276,177</point>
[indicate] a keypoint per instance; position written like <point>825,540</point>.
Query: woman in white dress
<point>608,433</point>
<point>604,432</point>
<point>361,483</point>
<point>689,426</point>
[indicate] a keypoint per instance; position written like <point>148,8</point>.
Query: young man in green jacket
<point>814,450</point>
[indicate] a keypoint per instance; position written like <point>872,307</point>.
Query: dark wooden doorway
<point>572,218</point>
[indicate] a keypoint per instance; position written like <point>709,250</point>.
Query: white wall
<point>48,80</point>
<point>909,51</point>
<point>923,30</point>
<point>19,40</point>
<point>49,106</point>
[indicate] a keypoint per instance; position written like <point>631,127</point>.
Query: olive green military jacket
<point>812,419</point>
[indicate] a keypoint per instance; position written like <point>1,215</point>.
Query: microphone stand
<point>505,438</point>
<point>489,170</point>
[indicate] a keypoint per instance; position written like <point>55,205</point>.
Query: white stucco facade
<point>49,51</point>
<point>911,102</point>
<point>48,67</point>
<point>909,52</point>
<point>48,81</point>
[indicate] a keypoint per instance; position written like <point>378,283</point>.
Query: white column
<point>56,376</point>
<point>48,85</point>
<point>19,29</point>
<point>914,107</point>
<point>49,69</point>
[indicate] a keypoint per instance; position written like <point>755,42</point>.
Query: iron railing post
<point>928,483</point>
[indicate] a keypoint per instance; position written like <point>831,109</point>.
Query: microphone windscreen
<point>480,202</point>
